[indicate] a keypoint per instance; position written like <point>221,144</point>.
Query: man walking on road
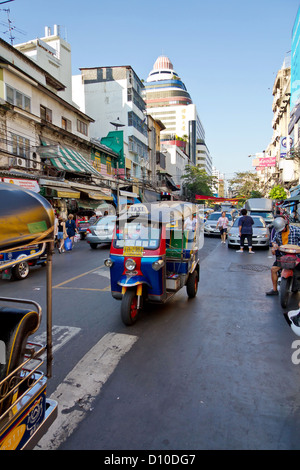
<point>245,229</point>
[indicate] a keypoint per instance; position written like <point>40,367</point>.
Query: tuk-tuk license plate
<point>133,251</point>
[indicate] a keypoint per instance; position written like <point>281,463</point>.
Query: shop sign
<point>27,184</point>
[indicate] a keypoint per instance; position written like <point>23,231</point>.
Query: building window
<point>46,113</point>
<point>81,127</point>
<point>20,146</point>
<point>66,124</point>
<point>135,121</point>
<point>108,165</point>
<point>16,98</point>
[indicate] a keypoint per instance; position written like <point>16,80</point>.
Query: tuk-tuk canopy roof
<point>25,217</point>
<point>164,212</point>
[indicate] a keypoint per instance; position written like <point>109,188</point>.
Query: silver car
<point>260,237</point>
<point>210,226</point>
<point>102,231</point>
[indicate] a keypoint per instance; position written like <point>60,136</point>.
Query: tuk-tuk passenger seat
<point>175,245</point>
<point>16,326</point>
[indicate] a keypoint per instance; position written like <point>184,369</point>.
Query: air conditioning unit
<point>35,161</point>
<point>20,162</point>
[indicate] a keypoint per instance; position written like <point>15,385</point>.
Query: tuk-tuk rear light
<point>157,265</point>
<point>130,264</point>
<point>108,263</point>
<point>1,256</point>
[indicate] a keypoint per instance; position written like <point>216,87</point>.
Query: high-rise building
<point>168,100</point>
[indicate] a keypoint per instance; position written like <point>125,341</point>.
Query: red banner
<point>217,199</point>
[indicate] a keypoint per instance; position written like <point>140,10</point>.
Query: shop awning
<point>53,191</point>
<point>64,158</point>
<point>96,195</point>
<point>291,200</point>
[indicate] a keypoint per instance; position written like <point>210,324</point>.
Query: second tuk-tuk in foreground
<point>26,219</point>
<point>154,253</point>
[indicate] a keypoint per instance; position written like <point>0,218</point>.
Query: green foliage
<point>197,181</point>
<point>245,184</point>
<point>278,192</point>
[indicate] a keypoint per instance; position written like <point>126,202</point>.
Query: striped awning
<point>67,159</point>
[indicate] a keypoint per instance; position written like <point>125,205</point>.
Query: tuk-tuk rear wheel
<point>129,310</point>
<point>192,284</point>
<point>21,270</point>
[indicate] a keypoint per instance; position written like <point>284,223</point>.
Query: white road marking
<point>79,389</point>
<point>103,272</point>
<point>60,336</point>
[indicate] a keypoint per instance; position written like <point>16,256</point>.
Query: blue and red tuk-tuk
<point>33,255</point>
<point>26,220</point>
<point>154,253</point>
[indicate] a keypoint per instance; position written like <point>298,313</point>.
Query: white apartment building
<point>52,53</point>
<point>113,96</point>
<point>203,157</point>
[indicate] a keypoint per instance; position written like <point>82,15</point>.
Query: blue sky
<point>226,52</point>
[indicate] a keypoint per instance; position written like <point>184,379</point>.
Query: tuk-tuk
<point>20,269</point>
<point>82,221</point>
<point>154,253</point>
<point>26,219</point>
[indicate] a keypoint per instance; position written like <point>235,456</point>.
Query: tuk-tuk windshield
<point>138,233</point>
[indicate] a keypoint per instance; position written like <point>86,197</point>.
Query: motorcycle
<point>290,272</point>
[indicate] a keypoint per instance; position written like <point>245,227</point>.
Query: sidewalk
<point>254,390</point>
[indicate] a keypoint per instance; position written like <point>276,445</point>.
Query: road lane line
<point>79,389</point>
<point>105,289</point>
<point>77,277</point>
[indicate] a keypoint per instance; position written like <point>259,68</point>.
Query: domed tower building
<point>168,100</point>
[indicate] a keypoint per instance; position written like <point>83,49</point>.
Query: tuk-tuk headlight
<point>108,263</point>
<point>130,264</point>
<point>157,265</point>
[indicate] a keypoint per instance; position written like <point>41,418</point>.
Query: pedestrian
<point>223,224</point>
<point>188,224</point>
<point>71,228</point>
<point>284,234</point>
<point>61,234</point>
<point>245,230</point>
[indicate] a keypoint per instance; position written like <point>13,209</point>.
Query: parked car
<point>101,232</point>
<point>210,226</point>
<point>260,237</point>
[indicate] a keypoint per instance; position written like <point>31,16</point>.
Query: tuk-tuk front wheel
<point>192,284</point>
<point>129,310</point>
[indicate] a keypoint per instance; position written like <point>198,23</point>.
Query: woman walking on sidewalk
<point>245,229</point>
<point>223,224</point>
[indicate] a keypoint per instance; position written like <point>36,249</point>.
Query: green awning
<point>64,158</point>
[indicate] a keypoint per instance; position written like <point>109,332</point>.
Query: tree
<point>197,181</point>
<point>278,192</point>
<point>244,184</point>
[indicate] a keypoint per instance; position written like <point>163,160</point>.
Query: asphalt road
<point>214,372</point>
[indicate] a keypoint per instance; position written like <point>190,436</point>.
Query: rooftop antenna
<point>10,27</point>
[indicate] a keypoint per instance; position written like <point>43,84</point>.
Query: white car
<point>260,237</point>
<point>210,226</point>
<point>101,232</point>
